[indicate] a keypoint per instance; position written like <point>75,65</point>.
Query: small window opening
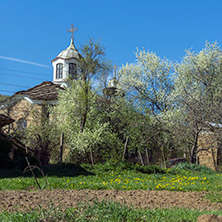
<point>59,70</point>
<point>72,70</point>
<point>22,124</point>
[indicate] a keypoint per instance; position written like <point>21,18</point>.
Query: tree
<point>197,96</point>
<point>93,64</point>
<point>148,84</point>
<point>3,97</point>
<point>95,134</point>
<point>77,109</point>
<point>42,135</point>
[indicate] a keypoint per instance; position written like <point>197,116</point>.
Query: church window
<point>72,70</point>
<point>59,69</point>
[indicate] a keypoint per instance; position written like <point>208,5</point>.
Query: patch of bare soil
<point>26,200</point>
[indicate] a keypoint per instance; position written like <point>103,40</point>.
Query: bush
<point>126,166</point>
<point>150,169</point>
<point>192,167</point>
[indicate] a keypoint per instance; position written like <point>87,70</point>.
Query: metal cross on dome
<point>72,30</point>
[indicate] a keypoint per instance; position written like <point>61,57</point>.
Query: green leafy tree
<point>148,85</point>
<point>69,112</point>
<point>77,111</point>
<point>93,64</point>
<point>3,97</point>
<point>148,82</point>
<point>197,96</point>
<point>42,135</point>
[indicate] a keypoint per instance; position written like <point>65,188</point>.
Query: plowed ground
<point>26,200</point>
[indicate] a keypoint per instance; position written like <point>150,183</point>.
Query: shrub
<point>151,169</point>
<point>193,167</point>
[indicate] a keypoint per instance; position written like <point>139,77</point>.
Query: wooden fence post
<point>61,149</point>
<point>125,148</point>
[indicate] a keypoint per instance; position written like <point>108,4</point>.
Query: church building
<point>66,65</point>
<point>20,105</point>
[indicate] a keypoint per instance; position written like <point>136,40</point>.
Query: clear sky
<point>36,31</point>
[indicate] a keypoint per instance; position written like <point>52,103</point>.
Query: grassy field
<point>109,176</point>
<point>121,177</point>
<point>105,211</point>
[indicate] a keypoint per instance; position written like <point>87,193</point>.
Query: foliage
<point>94,62</point>
<point>193,167</point>
<point>70,112</point>
<point>179,100</point>
<point>148,82</point>
<point>3,97</point>
<point>79,115</point>
<point>196,97</point>
<point>43,135</point>
<point>124,166</point>
<point>148,85</point>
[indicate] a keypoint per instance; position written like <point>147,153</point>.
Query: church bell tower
<point>66,64</point>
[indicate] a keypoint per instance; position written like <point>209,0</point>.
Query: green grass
<point>121,177</point>
<point>184,177</point>
<point>105,211</point>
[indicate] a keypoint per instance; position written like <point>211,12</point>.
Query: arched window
<point>22,124</point>
<point>72,70</point>
<point>59,69</point>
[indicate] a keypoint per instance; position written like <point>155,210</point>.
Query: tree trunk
<point>141,158</point>
<point>85,109</point>
<point>194,149</point>
<point>61,149</point>
<point>125,148</point>
<point>147,157</point>
<point>164,157</point>
<point>91,156</point>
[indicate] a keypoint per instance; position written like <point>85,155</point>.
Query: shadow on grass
<point>67,170</point>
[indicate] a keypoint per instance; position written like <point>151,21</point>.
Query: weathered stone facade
<point>21,112</point>
<point>208,150</point>
<point>24,104</point>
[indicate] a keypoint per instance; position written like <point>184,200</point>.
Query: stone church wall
<point>208,150</point>
<point>22,113</point>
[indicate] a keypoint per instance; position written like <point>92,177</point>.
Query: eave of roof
<point>46,91</point>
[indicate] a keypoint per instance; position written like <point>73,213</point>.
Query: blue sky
<point>36,31</point>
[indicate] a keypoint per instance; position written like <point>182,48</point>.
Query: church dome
<point>70,53</point>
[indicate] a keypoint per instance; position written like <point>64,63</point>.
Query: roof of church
<point>69,53</point>
<point>47,90</point>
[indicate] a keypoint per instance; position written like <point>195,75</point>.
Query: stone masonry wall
<point>23,109</point>
<point>207,156</point>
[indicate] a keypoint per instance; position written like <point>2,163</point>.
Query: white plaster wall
<point>65,68</point>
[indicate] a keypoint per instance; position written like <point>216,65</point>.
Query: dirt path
<point>23,200</point>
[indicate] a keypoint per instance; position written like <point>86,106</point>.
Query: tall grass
<point>183,177</point>
<point>105,211</point>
